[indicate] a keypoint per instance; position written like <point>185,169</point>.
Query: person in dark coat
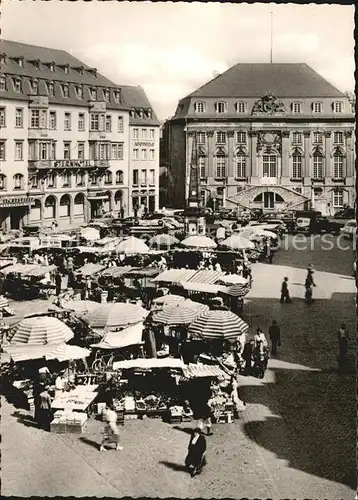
<point>58,282</point>
<point>285,294</point>
<point>195,458</point>
<point>343,346</point>
<point>45,412</point>
<point>275,336</point>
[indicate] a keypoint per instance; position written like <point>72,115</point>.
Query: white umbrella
<point>132,245</point>
<point>90,233</point>
<point>66,352</point>
<point>199,242</point>
<point>233,279</point>
<point>237,242</point>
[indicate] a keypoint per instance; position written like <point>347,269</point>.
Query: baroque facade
<point>270,136</point>
<point>65,143</point>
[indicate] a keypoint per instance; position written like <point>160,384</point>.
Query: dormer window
<point>20,62</point>
<point>34,86</point>
<point>317,107</point>
<point>149,113</point>
<point>50,89</point>
<point>220,107</point>
<point>337,107</point>
<point>93,94</point>
<point>117,95</point>
<point>80,92</point>
<point>2,84</point>
<point>200,107</point>
<point>80,70</point>
<point>106,95</point>
<point>36,63</point>
<point>52,67</point>
<point>66,69</point>
<point>93,72</point>
<point>240,107</point>
<point>296,108</point>
<point>65,91</point>
<point>17,84</point>
<point>141,113</point>
<point>3,58</point>
<point>132,113</point>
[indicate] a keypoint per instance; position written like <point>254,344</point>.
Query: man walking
<point>45,414</point>
<point>285,294</point>
<point>343,346</point>
<point>275,336</point>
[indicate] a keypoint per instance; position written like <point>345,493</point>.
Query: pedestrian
<point>260,337</point>
<point>45,414</point>
<point>309,291</point>
<point>58,283</point>
<point>342,345</point>
<point>285,294</point>
<point>111,432</point>
<point>122,212</point>
<point>269,252</point>
<point>275,336</point>
<point>59,385</point>
<point>310,271</point>
<point>195,458</point>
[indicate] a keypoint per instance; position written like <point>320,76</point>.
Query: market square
<point>178,255</point>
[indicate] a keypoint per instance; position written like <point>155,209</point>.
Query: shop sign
<point>78,163</point>
<point>101,195</point>
<point>16,202</point>
<point>145,143</point>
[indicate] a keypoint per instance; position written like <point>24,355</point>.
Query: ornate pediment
<point>317,151</point>
<point>338,150</point>
<point>268,142</point>
<point>220,151</point>
<point>240,151</point>
<point>202,151</point>
<point>297,151</point>
<point>268,105</point>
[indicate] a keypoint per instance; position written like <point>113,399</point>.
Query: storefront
<point>98,202</point>
<point>14,211</point>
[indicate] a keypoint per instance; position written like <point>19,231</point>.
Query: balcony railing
<point>60,164</point>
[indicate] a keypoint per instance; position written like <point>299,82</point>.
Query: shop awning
<point>90,269</point>
<point>25,352</point>
<point>29,269</point>
<point>202,287</point>
<point>175,275</point>
<point>206,276</point>
<point>143,272</point>
<point>148,364</point>
<point>128,336</point>
<point>195,371</point>
<point>116,271</point>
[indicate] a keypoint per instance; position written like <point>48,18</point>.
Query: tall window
<point>18,181</point>
<point>120,124</point>
<point>241,166</point>
<point>81,150</point>
<point>200,107</point>
<point>19,151</point>
<point>51,180</point>
<point>296,138</point>
<point>269,165</point>
<point>143,154</point>
<point>240,107</point>
<point>338,138</point>
<point>80,179</point>
<point>220,163</point>
<point>2,151</point>
<point>317,166</point>
<point>2,118</point>
<point>135,133</point>
<point>152,133</point>
<point>94,122</point>
<point>296,107</point>
<point>143,177</point>
<point>241,137</point>
<point>135,154</point>
<point>19,117</point>
<point>116,151</point>
<point>108,123</point>
<point>53,150</point>
<point>317,138</point>
<point>108,178</point>
<point>135,177</point>
<point>67,150</point>
<point>151,177</point>
<point>67,121</point>
<point>2,84</point>
<point>220,107</point>
<point>220,137</point>
<point>201,137</point>
<point>202,166</point>
<point>35,118</point>
<point>119,177</point>
<point>297,166</point>
<point>151,154</point>
<point>338,166</point>
<point>2,182</point>
<point>81,122</point>
<point>338,199</point>
<point>103,151</point>
<point>144,133</point>
<point>52,120</point>
<point>66,178</point>
<point>317,107</point>
<point>338,107</point>
<point>43,150</point>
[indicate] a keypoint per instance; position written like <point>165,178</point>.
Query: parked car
<point>350,229</point>
<point>346,213</point>
<point>316,225</point>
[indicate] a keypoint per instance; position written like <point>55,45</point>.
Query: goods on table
<point>222,407</point>
<point>69,422</point>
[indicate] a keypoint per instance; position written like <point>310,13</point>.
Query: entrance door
<point>269,200</point>
<point>16,218</point>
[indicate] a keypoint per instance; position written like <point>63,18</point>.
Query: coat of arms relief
<point>269,105</point>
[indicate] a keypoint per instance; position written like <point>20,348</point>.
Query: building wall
<point>176,157</point>
<point>144,167</point>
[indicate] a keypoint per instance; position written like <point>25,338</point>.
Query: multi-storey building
<point>268,136</point>
<point>64,139</point>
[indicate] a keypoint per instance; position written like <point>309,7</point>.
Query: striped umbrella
<point>182,313</point>
<point>80,306</point>
<point>41,330</point>
<point>132,245</point>
<point>116,314</point>
<point>233,279</point>
<point>237,242</point>
<point>3,302</point>
<point>66,352</point>
<point>199,242</point>
<point>218,324</point>
<point>237,290</point>
<point>163,241</point>
<point>168,299</point>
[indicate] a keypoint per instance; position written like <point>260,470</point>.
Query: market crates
<point>175,419</point>
<point>76,428</point>
<point>224,418</point>
<point>58,428</point>
<point>131,416</point>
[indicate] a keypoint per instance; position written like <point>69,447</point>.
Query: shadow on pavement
<point>187,430</point>
<point>26,420</point>
<point>94,444</point>
<point>174,466</point>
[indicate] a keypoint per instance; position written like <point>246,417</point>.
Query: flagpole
<point>271,41</point>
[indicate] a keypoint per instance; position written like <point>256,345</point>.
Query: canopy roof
<point>34,270</point>
<point>148,363</point>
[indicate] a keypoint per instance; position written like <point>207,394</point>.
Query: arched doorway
<point>50,211</point>
<point>268,200</point>
<point>107,202</point>
<point>65,206</point>
<point>35,214</point>
<point>118,201</point>
<point>79,208</point>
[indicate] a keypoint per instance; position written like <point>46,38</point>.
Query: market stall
<point>29,281</point>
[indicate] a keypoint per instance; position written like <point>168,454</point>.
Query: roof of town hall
<point>285,80</point>
<point>36,64</point>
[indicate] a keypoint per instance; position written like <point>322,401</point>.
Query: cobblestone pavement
<point>295,440</point>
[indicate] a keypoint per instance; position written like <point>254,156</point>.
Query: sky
<point>170,49</point>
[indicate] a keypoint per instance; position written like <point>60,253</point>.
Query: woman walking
<point>111,432</point>
<point>195,459</point>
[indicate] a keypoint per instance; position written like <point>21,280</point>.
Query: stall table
<point>80,399</point>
